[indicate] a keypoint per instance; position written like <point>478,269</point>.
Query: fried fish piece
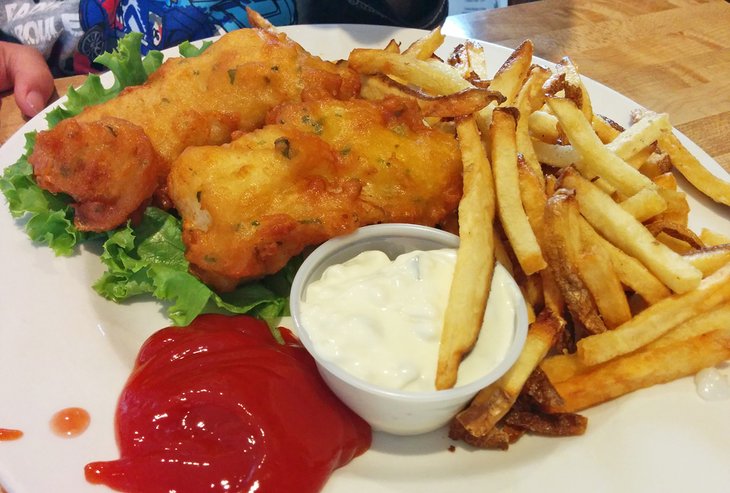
<point>410,172</point>
<point>188,101</point>
<point>319,170</point>
<point>100,186</point>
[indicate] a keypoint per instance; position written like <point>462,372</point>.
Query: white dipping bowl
<point>388,410</point>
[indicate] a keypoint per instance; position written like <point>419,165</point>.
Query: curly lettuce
<point>48,217</point>
<point>146,258</point>
<point>150,259</point>
<point>128,67</point>
<point>188,49</point>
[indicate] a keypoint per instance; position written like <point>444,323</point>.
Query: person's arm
<point>23,69</point>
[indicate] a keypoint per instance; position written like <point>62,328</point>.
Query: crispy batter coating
<point>409,172</point>
<point>74,159</point>
<point>322,169</point>
<point>203,100</point>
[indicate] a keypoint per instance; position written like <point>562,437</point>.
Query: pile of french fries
<point>586,215</point>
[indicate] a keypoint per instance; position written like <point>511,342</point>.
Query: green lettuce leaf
<point>150,259</point>
<point>49,217</point>
<point>188,49</point>
<point>128,67</point>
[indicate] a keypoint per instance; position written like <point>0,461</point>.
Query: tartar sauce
<point>713,384</point>
<point>381,320</point>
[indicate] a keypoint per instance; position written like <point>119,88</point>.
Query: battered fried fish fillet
<point>186,102</point>
<point>321,169</point>
<point>101,186</point>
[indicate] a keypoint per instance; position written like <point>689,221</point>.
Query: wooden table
<point>667,55</point>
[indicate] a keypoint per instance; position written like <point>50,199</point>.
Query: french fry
<point>656,320</point>
<point>676,231</point>
<point>434,78</point>
<point>611,244</point>
<point>630,271</point>
<point>709,259</point>
<point>603,283</point>
<point>544,126</point>
<point>470,60</point>
<point>512,215</point>
<point>605,128</point>
<point>393,46</point>
<point>574,88</point>
<point>624,231</point>
<point>677,210</point>
<point>713,238</point>
<point>563,248</point>
<point>631,145</point>
<point>690,167</point>
<point>509,77</point>
<point>426,46</point>
<point>461,103</point>
<point>667,181</point>
<point>658,163</point>
<point>530,97</point>
<point>531,289</point>
<point>494,401</point>
<point>534,199</point>
<point>643,369</point>
<point>561,367</point>
<point>532,194</point>
<point>553,298</point>
<point>717,318</point>
<point>596,160</point>
<point>501,254</point>
<point>641,160</point>
<point>675,244</point>
<point>555,155</point>
<point>477,59</point>
<point>644,205</point>
<point>640,135</point>
<point>474,260</point>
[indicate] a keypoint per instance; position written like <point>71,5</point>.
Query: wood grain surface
<point>667,55</point>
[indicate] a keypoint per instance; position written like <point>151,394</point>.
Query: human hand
<point>24,69</point>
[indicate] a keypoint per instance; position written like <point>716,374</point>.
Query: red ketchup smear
<point>221,406</point>
<point>70,422</point>
<point>8,434</point>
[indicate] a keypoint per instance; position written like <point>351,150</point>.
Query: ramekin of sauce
<point>369,308</point>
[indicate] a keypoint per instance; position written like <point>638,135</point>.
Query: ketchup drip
<point>9,434</point>
<point>70,422</point>
<point>221,406</point>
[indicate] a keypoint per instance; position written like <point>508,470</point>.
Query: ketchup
<point>221,406</point>
<point>70,422</point>
<point>9,434</point>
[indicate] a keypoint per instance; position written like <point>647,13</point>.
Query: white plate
<point>62,345</point>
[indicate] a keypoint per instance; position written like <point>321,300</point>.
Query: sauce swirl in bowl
<point>376,387</point>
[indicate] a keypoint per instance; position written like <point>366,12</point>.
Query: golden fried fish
<point>318,170</point>
<point>188,101</point>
